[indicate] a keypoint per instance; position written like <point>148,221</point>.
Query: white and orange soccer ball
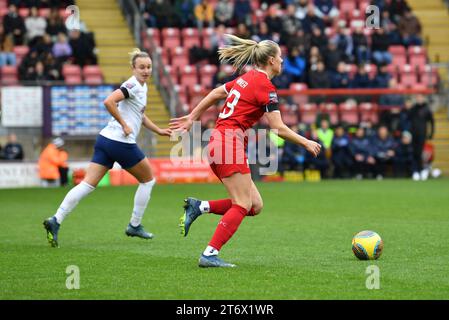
<point>367,245</point>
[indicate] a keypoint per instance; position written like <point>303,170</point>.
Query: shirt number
<point>229,108</point>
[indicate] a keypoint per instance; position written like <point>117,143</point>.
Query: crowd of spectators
<point>311,56</point>
<point>368,151</point>
<point>50,43</point>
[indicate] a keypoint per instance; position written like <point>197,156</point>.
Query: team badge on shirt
<point>273,97</point>
<point>130,85</point>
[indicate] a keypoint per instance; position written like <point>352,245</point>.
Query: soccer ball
<point>367,245</point>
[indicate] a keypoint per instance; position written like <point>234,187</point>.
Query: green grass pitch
<point>298,248</point>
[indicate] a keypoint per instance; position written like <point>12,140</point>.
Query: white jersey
<point>131,109</point>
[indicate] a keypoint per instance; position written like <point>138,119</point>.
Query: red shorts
<point>227,155</point>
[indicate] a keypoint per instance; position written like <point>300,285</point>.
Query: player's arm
<point>275,122</point>
<point>111,105</point>
<point>147,123</point>
<point>185,123</point>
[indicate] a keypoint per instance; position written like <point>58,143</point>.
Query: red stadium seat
<point>206,34</point>
<point>290,118</point>
<point>71,70</point>
<point>179,58</point>
<point>331,110</point>
<point>24,12</point>
<point>308,113</point>
<point>190,38</point>
<point>399,60</point>
<point>348,113</point>
<point>73,79</point>
<point>21,52</point>
<point>181,91</point>
<point>363,4</point>
<point>397,50</point>
<point>210,114</point>
<point>173,72</point>
<point>9,75</point>
<point>207,73</point>
<point>369,112</point>
<point>92,74</point>
<point>428,75</point>
<point>44,12</point>
<point>417,56</point>
<point>171,38</point>
<point>408,76</point>
<point>188,76</point>
<point>155,35</point>
<point>297,96</point>
<point>195,96</point>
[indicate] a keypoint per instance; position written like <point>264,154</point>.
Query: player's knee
<point>244,204</point>
<point>257,208</point>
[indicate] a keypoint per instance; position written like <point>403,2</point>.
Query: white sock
<point>71,200</point>
<point>210,251</point>
<point>143,195</point>
<point>205,207</point>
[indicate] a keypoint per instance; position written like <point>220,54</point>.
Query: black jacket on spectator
<point>381,80</point>
<point>380,42</point>
<point>339,80</point>
<point>13,151</point>
<point>13,22</point>
<point>319,79</point>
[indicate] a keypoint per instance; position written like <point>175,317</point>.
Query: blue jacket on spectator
<point>361,146</point>
<point>381,80</point>
<point>294,66</point>
<point>381,147</point>
<point>339,80</point>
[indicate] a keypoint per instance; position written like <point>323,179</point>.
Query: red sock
<point>227,226</point>
<point>220,206</point>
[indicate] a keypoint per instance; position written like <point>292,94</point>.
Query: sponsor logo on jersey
<point>273,97</point>
<point>242,83</point>
<point>130,85</point>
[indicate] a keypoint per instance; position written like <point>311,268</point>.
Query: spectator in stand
<point>40,74</point>
<point>144,9</point>
<point>318,76</point>
<point>50,160</point>
<point>294,66</point>
<point>55,24</point>
<point>13,24</point>
<point>362,154</point>
<point>61,49</point>
<point>341,155</point>
<point>332,56</point>
<point>410,29</point>
<point>164,13</point>
<point>35,26</point>
<point>273,20</point>
<point>422,127</point>
<point>263,33</point>
<point>361,79</point>
<point>242,31</point>
<point>242,12</point>
<point>290,23</point>
<point>318,39</point>
<point>382,78</point>
<point>52,67</point>
<point>384,151</point>
<point>404,163</point>
<point>311,20</point>
<point>397,9</point>
<point>43,45</point>
<point>326,10</point>
<point>340,78</point>
<point>360,49</point>
<point>185,11</point>
<point>12,150</point>
<point>83,50</point>
<point>391,104</point>
<point>391,29</point>
<point>405,116</point>
<point>7,55</point>
<point>225,74</point>
<point>325,134</point>
<point>298,39</point>
<point>292,157</point>
<point>320,162</point>
<point>224,11</point>
<point>379,47</point>
<point>204,14</point>
<point>302,7</point>
<point>344,42</point>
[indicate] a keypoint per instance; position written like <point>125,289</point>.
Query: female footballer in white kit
<point>117,143</point>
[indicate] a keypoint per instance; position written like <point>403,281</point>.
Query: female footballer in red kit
<point>248,98</point>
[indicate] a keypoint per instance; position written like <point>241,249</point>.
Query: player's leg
<point>94,174</point>
<point>143,173</point>
<point>239,187</point>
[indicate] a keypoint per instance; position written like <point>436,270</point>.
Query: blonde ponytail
<point>136,53</point>
<point>245,51</point>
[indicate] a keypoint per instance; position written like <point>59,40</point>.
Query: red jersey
<point>249,97</point>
